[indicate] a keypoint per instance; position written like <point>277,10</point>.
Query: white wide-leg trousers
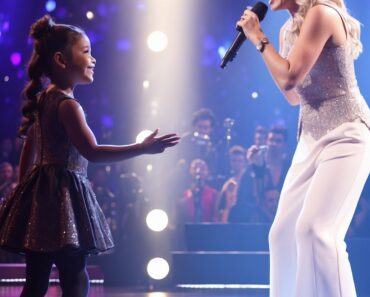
<point>308,255</point>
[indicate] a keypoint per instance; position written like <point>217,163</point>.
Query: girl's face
<point>283,4</point>
<point>80,63</point>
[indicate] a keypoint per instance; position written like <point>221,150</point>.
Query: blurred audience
<point>199,202</point>
<point>260,135</point>
<point>268,165</point>
<point>227,200</point>
<point>249,189</point>
<point>8,152</point>
<point>7,182</point>
<point>266,212</point>
<point>199,143</point>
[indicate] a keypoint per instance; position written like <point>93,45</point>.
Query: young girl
<point>315,69</point>
<point>53,215</point>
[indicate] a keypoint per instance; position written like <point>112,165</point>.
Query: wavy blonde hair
<point>352,25</point>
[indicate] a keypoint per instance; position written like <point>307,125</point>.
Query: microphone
<point>260,9</point>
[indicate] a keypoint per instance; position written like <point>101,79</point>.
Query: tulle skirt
<point>53,209</point>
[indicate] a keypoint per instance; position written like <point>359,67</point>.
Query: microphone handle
<point>260,10</point>
<point>233,49</point>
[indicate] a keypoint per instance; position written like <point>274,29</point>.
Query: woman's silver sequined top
<point>329,93</point>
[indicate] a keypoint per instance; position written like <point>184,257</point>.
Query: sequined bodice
<point>329,93</point>
<point>52,143</point>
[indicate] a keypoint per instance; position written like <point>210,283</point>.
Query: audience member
<point>199,202</point>
<point>228,198</point>
<point>260,135</point>
<point>268,166</point>
<point>199,143</point>
<point>266,211</point>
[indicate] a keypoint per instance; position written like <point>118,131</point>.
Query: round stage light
<point>157,41</point>
<point>149,168</point>
<point>16,58</point>
<point>146,84</point>
<point>50,5</point>
<point>142,135</point>
<point>158,268</point>
<point>254,95</point>
<point>157,220</point>
<point>90,15</point>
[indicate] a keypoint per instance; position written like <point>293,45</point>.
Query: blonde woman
<point>332,160</point>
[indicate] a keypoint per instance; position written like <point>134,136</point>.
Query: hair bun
<point>42,26</point>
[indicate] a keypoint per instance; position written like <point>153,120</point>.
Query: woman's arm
<point>27,155</point>
<point>291,96</point>
<point>72,116</point>
<point>319,26</point>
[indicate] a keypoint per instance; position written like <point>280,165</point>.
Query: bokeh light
<point>254,95</point>
<point>149,168</point>
<point>90,15</point>
<point>157,41</point>
<point>146,84</point>
<point>16,58</point>
<point>157,220</point>
<point>142,135</point>
<point>158,268</point>
<point>50,5</point>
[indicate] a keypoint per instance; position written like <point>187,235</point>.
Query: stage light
<point>50,5</point>
<point>6,78</point>
<point>5,26</point>
<point>157,41</point>
<point>157,294</point>
<point>146,84</point>
<point>221,51</point>
<point>157,220</point>
<point>16,58</point>
<point>90,15</point>
<point>254,95</point>
<point>158,268</point>
<point>149,168</point>
<point>142,135</point>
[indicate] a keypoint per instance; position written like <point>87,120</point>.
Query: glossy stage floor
<point>100,291</point>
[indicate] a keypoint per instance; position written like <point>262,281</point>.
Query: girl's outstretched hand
<point>155,145</point>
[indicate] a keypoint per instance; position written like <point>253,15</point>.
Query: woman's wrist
<point>256,39</point>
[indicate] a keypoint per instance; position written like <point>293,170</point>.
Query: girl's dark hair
<point>48,38</point>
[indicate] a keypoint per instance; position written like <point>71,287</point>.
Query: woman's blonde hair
<point>353,26</point>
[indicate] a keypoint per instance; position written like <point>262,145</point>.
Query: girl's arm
<point>321,24</point>
<point>70,113</point>
<point>27,155</point>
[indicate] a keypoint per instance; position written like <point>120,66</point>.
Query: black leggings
<point>73,276</point>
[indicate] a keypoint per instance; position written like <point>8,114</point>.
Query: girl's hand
<point>251,26</point>
<point>155,145</point>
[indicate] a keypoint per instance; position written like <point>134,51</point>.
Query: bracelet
<point>262,44</point>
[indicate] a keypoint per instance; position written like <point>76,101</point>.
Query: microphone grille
<point>260,9</point>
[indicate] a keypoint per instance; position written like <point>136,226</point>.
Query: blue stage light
<point>50,5</point>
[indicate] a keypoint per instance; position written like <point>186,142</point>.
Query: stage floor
<point>100,291</point>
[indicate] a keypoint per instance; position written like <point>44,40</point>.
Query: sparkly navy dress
<point>54,208</point>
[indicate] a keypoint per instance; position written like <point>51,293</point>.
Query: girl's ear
<point>59,60</point>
